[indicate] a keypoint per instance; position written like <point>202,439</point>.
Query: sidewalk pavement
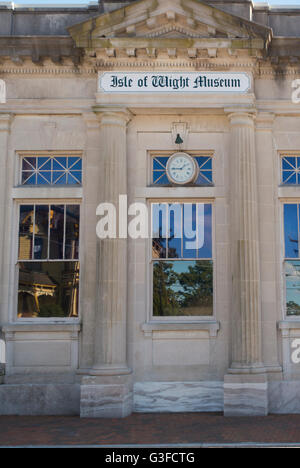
<point>149,429</point>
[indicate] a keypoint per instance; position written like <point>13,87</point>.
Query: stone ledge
<point>211,326</point>
<point>41,327</point>
<point>286,326</point>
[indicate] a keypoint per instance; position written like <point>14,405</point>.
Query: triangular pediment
<point>164,19</point>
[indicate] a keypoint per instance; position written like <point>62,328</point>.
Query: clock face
<point>181,169</point>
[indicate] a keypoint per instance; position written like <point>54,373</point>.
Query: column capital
<point>5,121</point>
<point>241,116</point>
<point>119,116</point>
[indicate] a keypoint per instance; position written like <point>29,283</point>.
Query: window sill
<point>210,192</point>
<point>288,325</point>
<point>41,327</point>
<point>288,191</point>
<point>212,327</point>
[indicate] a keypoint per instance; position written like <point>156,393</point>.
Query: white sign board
<point>159,82</point>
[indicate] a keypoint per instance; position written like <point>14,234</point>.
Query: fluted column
<point>246,340</point>
<point>110,327</point>
<point>92,172</point>
<point>5,127</point>
<point>245,386</point>
<point>5,235</point>
<point>107,389</point>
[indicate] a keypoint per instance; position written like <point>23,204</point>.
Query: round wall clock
<point>182,169</point>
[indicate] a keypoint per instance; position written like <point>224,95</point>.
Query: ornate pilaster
<point>245,386</point>
<point>98,397</point>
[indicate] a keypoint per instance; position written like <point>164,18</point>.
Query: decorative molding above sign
<point>159,82</point>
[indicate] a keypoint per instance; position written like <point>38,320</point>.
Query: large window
<point>182,259</point>
<point>292,258</point>
<point>48,260</point>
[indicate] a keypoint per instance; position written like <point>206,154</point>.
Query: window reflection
<point>41,232</point>
<point>48,289</point>
<point>292,275</point>
<point>57,216</point>
<point>182,259</point>
<point>26,225</point>
<point>291,230</point>
<point>183,288</point>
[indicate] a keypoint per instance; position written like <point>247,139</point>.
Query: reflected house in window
<point>48,290</point>
<point>48,261</point>
<point>33,286</point>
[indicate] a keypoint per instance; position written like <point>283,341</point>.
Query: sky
<point>45,2</point>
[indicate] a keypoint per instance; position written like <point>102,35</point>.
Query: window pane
<point>28,164</point>
<point>291,230</point>
<point>72,232</point>
<point>205,250</point>
<point>48,289</point>
<point>159,230</point>
<point>189,231</point>
<point>182,288</point>
<point>57,231</point>
<point>175,236</point>
<point>292,277</point>
<point>26,232</point>
<point>41,232</point>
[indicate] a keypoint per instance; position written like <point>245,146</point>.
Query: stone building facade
<point>107,327</point>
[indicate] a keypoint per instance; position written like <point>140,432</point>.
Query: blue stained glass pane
<point>59,164</point>
<point>44,163</point>
<point>189,231</point>
<point>62,180</point>
<point>289,177</point>
<point>291,230</point>
<point>204,178</point>
<point>292,278</point>
<point>46,175</point>
<point>71,180</point>
<point>57,175</point>
<point>204,162</point>
<point>205,244</point>
<point>77,175</point>
<point>289,163</point>
<point>30,180</point>
<point>160,163</point>
<point>42,181</point>
<point>159,179</point>
<point>75,163</point>
<point>175,231</point>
